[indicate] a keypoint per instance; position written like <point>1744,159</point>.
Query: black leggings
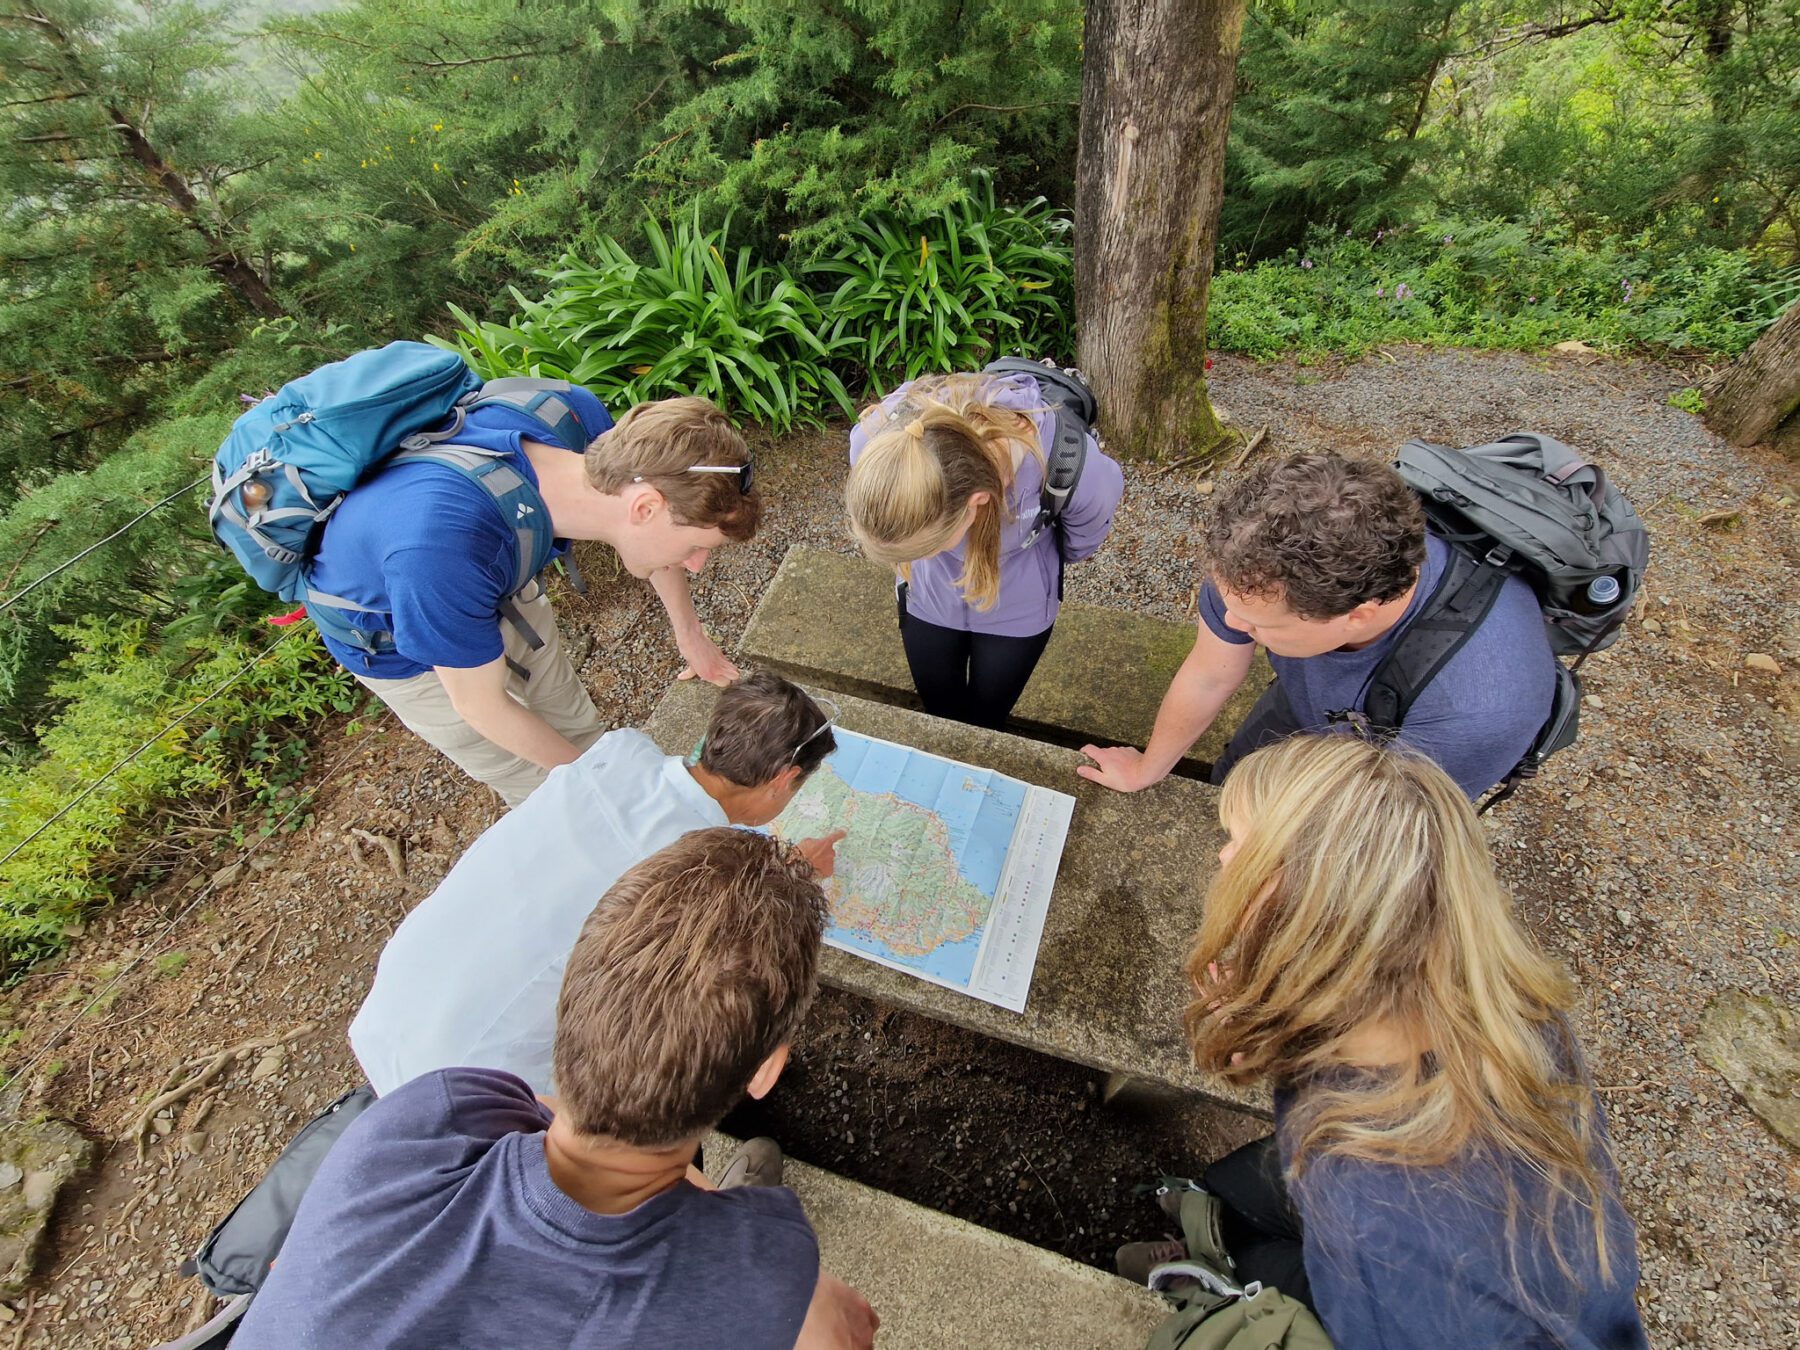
<point>968,677</point>
<point>1257,1219</point>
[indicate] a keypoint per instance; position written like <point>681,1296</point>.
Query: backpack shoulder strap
<point>1063,465</point>
<point>1450,616</point>
<point>546,401</point>
<point>516,497</point>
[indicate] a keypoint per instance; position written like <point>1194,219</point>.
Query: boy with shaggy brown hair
<point>462,1210</point>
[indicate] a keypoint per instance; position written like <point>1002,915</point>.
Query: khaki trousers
<point>554,692</point>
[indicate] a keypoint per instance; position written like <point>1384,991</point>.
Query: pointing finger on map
<point>822,852</point>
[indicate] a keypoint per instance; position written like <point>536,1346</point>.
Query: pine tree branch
<point>1518,37</point>
<point>502,56</point>
<point>1006,107</point>
<point>60,97</point>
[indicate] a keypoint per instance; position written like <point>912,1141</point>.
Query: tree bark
<point>1751,398</point>
<point>1156,89</point>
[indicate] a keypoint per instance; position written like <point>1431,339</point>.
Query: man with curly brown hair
<point>1326,562</point>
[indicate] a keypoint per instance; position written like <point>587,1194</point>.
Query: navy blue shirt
<point>428,551</point>
<point>434,1222</point>
<point>1418,1258</point>
<point>1477,718</point>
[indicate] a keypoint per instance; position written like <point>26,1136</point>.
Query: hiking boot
<point>756,1163</point>
<point>1135,1260</point>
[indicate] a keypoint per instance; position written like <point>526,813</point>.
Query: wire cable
<point>17,596</point>
<point>150,948</point>
<point>94,786</point>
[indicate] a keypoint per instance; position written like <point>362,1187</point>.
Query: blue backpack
<point>292,458</point>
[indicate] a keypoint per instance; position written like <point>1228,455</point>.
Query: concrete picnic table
<point>1108,990</point>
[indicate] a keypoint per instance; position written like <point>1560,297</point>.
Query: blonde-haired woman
<point>1445,1157</point>
<point>945,478</point>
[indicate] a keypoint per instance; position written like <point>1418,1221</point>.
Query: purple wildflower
<point>1402,291</point>
<point>1381,290</point>
<point>1306,263</point>
<point>1626,285</point>
<point>1531,299</point>
<point>1449,239</point>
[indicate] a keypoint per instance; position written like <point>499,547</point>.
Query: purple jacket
<point>1027,603</point>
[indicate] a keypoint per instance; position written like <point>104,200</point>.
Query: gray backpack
<point>1525,505</point>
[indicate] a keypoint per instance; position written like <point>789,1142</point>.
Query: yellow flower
<point>434,167</point>
<point>353,248</point>
<point>318,155</point>
<point>437,126</point>
<point>365,164</point>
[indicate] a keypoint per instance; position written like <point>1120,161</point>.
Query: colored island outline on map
<point>897,880</point>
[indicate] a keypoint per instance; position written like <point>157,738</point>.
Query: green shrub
<point>119,690</point>
<point>743,334</point>
<point>953,290</point>
<point>1492,284</point>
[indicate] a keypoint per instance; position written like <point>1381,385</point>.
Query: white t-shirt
<point>471,977</point>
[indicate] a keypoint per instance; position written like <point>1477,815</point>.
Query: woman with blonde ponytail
<point>945,476</point>
<point>1439,1174</point>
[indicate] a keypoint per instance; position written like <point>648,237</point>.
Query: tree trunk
<point>231,269</point>
<point>146,164</point>
<point>1156,89</point>
<point>1748,400</point>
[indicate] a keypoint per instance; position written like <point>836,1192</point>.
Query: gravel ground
<point>1655,857</point>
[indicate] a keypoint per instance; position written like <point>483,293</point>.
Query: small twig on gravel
<point>25,1319</point>
<point>1629,1087</point>
<point>396,858</point>
<point>1032,1167</point>
<point>1186,461</point>
<point>212,1069</point>
<point>249,947</point>
<point>1250,448</point>
<point>204,1308</point>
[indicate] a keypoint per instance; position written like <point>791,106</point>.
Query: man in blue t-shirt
<point>460,1210</point>
<point>421,555</point>
<point>1325,561</point>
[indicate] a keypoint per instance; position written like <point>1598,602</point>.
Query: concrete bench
<point>829,620</point>
<point>938,1282</point>
<point>1108,990</point>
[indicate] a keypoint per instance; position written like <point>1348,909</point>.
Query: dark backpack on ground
<point>1071,401</point>
<point>1529,506</point>
<point>235,1259</point>
<point>293,457</point>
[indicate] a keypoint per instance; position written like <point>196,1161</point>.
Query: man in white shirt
<point>471,977</point>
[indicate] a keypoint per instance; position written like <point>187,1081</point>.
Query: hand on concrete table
<point>1118,767</point>
<point>839,1318</point>
<point>705,661</point>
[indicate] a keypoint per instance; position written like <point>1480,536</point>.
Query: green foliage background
<point>786,205</point>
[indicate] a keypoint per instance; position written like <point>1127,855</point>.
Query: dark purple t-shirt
<point>434,1222</point>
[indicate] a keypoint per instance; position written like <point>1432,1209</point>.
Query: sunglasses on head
<point>745,474</point>
<point>830,710</point>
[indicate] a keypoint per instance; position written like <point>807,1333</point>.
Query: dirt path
<point>1655,857</point>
